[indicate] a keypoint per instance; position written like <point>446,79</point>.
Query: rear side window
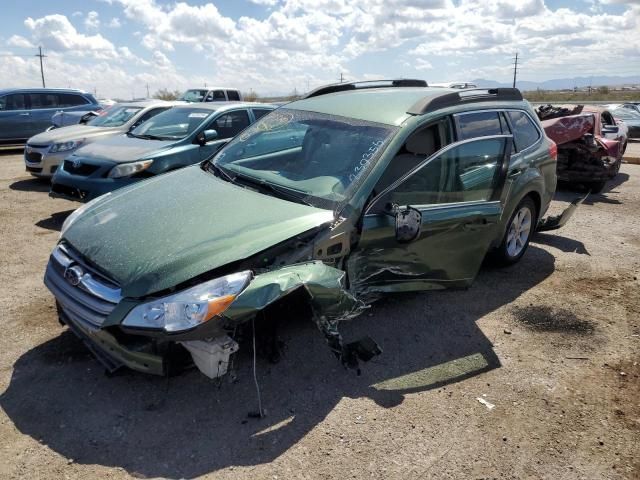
<point>147,115</point>
<point>216,96</point>
<point>260,112</point>
<point>232,123</point>
<point>233,95</point>
<point>71,100</point>
<point>43,100</point>
<point>525,133</point>
<point>480,124</point>
<point>15,101</point>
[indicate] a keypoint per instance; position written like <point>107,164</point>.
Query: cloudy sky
<point>117,47</point>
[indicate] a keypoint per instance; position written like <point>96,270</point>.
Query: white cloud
<point>19,41</point>
<point>114,23</point>
<point>55,32</point>
<point>92,21</point>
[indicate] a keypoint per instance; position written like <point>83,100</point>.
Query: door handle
<point>478,224</point>
<point>515,173</point>
<point>26,114</point>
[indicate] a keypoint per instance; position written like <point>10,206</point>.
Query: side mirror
<point>207,136</point>
<point>610,129</point>
<point>408,224</point>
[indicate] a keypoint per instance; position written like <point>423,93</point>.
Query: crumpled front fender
<point>329,298</point>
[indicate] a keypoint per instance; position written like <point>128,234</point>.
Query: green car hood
<point>164,231</point>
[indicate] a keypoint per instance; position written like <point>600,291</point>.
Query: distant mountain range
<point>563,83</point>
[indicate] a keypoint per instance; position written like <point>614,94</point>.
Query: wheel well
<point>535,196</point>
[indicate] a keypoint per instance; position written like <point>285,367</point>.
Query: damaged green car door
<point>432,227</point>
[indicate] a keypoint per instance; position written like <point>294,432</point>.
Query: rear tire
<point>520,227</point>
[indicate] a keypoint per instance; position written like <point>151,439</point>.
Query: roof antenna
<point>260,413</point>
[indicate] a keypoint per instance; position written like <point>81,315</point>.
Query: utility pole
<point>341,77</point>
<point>515,69</point>
<point>148,91</point>
<point>39,54</point>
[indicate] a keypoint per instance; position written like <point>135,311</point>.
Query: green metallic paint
<point>160,233</point>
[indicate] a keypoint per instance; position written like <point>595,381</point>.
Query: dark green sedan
<point>332,200</point>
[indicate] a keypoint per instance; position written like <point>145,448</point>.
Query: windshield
<point>114,116</point>
<point>193,95</point>
<point>320,157</point>
<point>172,124</point>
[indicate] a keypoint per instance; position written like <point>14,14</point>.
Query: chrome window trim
<point>427,160</point>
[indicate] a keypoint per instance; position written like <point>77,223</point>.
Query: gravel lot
<point>553,343</point>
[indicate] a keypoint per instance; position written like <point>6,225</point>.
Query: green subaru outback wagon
<point>356,190</point>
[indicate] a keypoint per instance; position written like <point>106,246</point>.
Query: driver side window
<point>464,173</point>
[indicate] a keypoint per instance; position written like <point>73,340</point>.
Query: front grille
<point>33,157</point>
<point>86,296</point>
<point>84,169</point>
<point>33,169</point>
<point>70,192</point>
<point>33,145</point>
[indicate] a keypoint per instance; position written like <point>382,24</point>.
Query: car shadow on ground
<point>55,221</point>
<point>564,244</point>
<point>188,425</point>
<point>33,184</point>
<point>568,192</point>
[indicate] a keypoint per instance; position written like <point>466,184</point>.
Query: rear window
<point>233,95</point>
<point>43,100</point>
<point>71,100</point>
<point>525,133</point>
<point>480,124</point>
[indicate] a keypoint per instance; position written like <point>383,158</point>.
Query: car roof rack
<point>343,87</point>
<point>431,104</point>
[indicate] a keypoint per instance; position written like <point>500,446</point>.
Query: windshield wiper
<point>220,171</point>
<point>145,136</point>
<point>279,191</point>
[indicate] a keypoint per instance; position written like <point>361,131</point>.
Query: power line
<point>41,67</point>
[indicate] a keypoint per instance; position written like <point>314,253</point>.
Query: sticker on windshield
<point>131,110</point>
<point>198,115</point>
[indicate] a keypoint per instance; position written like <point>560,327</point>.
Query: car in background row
<point>46,151</point>
<point>181,136</point>
<point>217,94</point>
<point>457,85</point>
<point>26,112</point>
<point>630,118</point>
<point>634,106</point>
<point>590,143</point>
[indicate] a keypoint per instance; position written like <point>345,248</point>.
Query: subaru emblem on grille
<point>73,275</point>
<point>76,163</point>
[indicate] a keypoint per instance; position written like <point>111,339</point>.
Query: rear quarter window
<point>525,133</point>
<point>260,112</point>
<point>233,95</point>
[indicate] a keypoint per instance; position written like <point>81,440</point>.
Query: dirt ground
<point>552,343</point>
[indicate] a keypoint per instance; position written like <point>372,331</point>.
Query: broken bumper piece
<point>558,221</point>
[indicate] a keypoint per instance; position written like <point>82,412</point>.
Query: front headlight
<point>65,146</point>
<point>128,169</point>
<point>189,308</point>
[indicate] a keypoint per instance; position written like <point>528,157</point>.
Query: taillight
<point>553,150</point>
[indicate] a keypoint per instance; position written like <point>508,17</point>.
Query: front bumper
<point>40,163</point>
<point>83,188</point>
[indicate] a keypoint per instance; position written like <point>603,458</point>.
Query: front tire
<point>520,227</point>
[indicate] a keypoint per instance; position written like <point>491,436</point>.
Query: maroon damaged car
<point>590,143</point>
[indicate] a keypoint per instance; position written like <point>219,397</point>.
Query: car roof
<point>40,89</point>
<point>212,88</point>
<point>215,106</point>
<point>149,103</point>
<point>388,105</point>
